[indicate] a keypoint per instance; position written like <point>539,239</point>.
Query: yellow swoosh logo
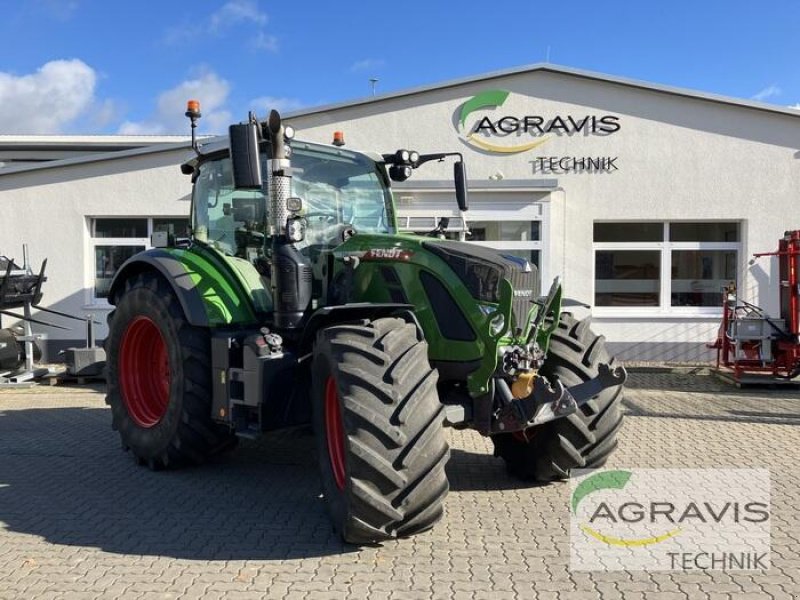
<point>503,149</point>
<point>614,541</point>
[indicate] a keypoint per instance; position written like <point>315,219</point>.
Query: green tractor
<point>296,301</point>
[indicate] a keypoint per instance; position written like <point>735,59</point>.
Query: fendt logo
<point>480,126</point>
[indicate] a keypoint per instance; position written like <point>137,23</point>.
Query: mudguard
<point>334,315</point>
<point>209,293</point>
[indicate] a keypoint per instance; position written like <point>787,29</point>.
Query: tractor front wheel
<point>379,427</point>
<point>159,378</point>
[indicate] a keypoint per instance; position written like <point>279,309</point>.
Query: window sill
<point>639,314</point>
<point>98,306</point>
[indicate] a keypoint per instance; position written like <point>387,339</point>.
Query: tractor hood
<point>478,269</point>
<point>481,270</point>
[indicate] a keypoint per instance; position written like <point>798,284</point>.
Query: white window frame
<point>665,248</point>
<point>485,205</point>
<point>91,301</point>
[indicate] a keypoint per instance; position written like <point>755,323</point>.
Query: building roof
<point>94,148</point>
<point>551,68</point>
<point>40,161</point>
<point>22,151</point>
<point>85,141</point>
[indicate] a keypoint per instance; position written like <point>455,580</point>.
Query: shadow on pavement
<point>716,411</point>
<point>64,477</point>
<point>473,471</point>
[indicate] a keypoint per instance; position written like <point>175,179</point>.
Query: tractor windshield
<point>339,188</point>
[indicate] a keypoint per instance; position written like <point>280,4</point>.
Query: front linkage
<point>532,399</point>
<point>548,403</point>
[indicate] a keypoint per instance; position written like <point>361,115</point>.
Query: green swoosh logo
<point>487,99</point>
<point>607,480</point>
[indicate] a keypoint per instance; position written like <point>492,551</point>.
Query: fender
<point>334,315</point>
<point>207,296</point>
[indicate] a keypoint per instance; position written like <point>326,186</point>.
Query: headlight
<point>497,325</point>
<point>294,204</point>
<point>413,157</point>
<point>295,230</point>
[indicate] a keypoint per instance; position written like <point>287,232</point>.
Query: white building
<point>645,199</point>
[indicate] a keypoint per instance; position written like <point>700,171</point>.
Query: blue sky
<point>92,66</point>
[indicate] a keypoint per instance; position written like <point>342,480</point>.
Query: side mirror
<point>460,177</point>
<point>244,156</point>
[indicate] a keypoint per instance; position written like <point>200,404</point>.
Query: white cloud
<point>235,12</point>
<point>103,113</point>
<point>264,104</point>
<point>209,88</point>
<point>264,41</point>
<point>47,101</point>
<point>367,64</point>
<point>795,106</point>
<point>232,15</point>
<point>768,92</point>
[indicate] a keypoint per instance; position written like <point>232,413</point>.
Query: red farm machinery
<point>753,347</point>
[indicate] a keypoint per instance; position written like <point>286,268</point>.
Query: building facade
<point>645,200</point>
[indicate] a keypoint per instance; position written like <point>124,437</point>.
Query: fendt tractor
<point>295,300</point>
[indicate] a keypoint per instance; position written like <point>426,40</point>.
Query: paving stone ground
<point>79,520</point>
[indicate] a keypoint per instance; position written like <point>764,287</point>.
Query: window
<point>678,266</point>
<point>627,278</point>
<point>518,238</point>
<point>426,224</point>
<point>338,188</point>
<point>115,240</point>
<point>514,237</point>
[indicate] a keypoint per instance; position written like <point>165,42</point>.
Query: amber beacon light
<point>193,112</point>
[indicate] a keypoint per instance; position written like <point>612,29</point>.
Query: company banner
<point>670,519</point>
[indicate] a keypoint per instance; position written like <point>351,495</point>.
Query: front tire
<point>584,439</point>
<point>379,427</point>
<point>159,378</point>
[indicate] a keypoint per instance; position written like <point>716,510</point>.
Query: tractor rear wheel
<point>159,378</point>
<point>379,427</point>
<point>584,439</point>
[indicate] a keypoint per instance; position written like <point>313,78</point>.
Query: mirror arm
<point>391,159</point>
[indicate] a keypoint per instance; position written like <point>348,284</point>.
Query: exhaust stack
<point>291,271</point>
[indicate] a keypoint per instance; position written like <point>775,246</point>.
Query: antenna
<point>373,81</point>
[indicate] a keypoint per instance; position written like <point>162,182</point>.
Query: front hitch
<point>547,402</point>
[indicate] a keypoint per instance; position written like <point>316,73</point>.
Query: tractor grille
<point>526,289</point>
<point>481,270</point>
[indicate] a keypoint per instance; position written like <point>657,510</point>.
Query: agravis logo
<point>481,127</point>
<point>612,480</point>
<point>489,99</point>
<point>668,519</point>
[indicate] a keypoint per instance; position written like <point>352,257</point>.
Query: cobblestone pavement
<point>79,520</point>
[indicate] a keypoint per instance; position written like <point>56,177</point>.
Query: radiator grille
<point>526,289</point>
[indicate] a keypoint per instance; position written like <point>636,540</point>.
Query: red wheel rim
<point>525,436</point>
<point>334,432</point>
<point>144,372</point>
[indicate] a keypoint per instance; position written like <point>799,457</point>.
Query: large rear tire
<point>159,378</point>
<point>584,439</point>
<point>379,427</point>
